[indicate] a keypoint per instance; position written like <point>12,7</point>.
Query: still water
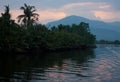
<point>98,65</point>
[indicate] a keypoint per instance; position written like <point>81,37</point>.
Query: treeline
<point>30,35</point>
<point>108,42</point>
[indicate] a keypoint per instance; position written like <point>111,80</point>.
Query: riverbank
<point>43,50</point>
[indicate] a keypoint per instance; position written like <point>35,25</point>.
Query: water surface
<point>98,65</point>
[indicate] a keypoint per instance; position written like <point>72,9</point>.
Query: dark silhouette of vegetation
<point>108,42</point>
<point>15,37</point>
<point>29,17</point>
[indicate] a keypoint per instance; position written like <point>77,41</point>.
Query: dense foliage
<point>38,36</point>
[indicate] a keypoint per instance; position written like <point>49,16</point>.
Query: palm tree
<point>29,17</point>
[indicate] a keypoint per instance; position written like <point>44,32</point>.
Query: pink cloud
<point>15,13</point>
<point>45,15</point>
<point>105,6</point>
<point>89,5</point>
<point>77,4</point>
<point>107,15</point>
<point>50,15</point>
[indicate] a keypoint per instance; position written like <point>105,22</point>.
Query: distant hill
<point>102,30</point>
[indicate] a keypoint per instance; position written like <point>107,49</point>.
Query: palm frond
<point>19,20</point>
<point>20,17</point>
<point>25,5</point>
<point>24,20</point>
<point>23,8</point>
<point>32,7</point>
<point>33,10</point>
<point>35,14</point>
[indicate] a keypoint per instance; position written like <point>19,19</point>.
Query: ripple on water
<point>83,67</point>
<point>106,68</point>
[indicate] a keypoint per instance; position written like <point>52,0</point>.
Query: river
<point>92,65</point>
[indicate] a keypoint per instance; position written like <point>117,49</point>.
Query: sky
<point>51,10</point>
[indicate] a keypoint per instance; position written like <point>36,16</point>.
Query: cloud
<point>87,5</point>
<point>107,15</point>
<point>90,9</point>
<point>104,7</point>
<point>84,9</point>
<point>15,13</point>
<point>50,15</point>
<point>71,5</point>
<point>44,15</point>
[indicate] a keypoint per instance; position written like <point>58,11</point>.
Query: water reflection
<point>98,65</point>
<point>106,66</point>
<point>45,67</point>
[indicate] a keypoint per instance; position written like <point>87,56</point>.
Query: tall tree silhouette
<point>29,17</point>
<point>6,17</point>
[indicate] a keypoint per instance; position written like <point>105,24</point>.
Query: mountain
<point>102,30</point>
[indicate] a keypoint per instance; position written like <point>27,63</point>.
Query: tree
<point>29,17</point>
<point>8,29</point>
<point>6,17</point>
